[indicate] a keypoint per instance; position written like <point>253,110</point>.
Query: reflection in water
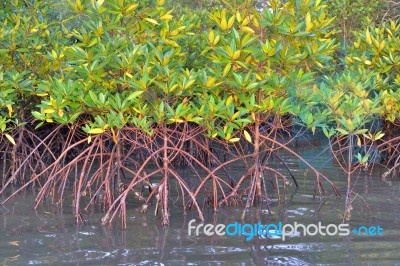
<point>49,236</point>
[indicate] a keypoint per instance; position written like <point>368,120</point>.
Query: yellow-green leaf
<point>11,139</point>
<point>247,135</point>
<point>131,7</point>
<point>166,17</point>
<point>253,116</point>
<point>235,115</point>
<point>10,110</point>
<point>236,55</point>
<point>234,140</point>
<point>54,54</point>
<point>309,24</point>
<point>255,22</point>
<point>211,36</point>
<point>226,69</point>
<point>231,21</point>
<point>48,110</point>
<point>368,37</point>
<point>238,16</point>
<point>217,39</point>
<point>248,29</point>
<point>176,120</point>
<point>229,100</point>
<point>96,131</point>
<point>379,136</point>
<point>153,21</point>
<point>190,83</point>
<point>382,45</point>
<point>224,24</point>
<point>210,82</point>
<point>342,131</point>
<point>171,42</point>
<point>358,43</point>
<point>350,124</point>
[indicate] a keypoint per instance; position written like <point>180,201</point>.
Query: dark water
<point>48,236</point>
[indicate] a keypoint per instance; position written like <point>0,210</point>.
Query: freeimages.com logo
<point>279,230</point>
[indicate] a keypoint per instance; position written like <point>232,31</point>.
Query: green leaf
<point>344,132</point>
<point>134,95</point>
